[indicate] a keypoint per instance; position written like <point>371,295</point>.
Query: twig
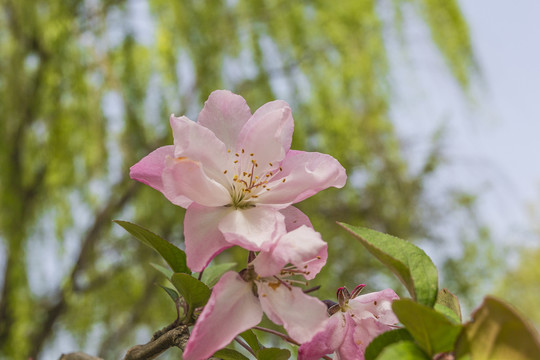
<point>245,346</point>
<point>175,337</point>
<point>277,333</point>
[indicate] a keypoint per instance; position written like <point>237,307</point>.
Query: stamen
<point>251,154</point>
<point>235,161</point>
<point>270,164</point>
<point>283,180</point>
<point>225,172</point>
<point>243,151</point>
<point>237,154</point>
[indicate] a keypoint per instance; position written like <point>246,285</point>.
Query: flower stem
<point>277,333</point>
<point>245,346</point>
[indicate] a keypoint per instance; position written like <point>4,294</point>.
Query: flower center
<point>248,182</point>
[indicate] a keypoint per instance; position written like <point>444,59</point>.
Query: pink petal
<point>325,341</point>
<point>150,168</point>
<point>305,174</point>
<point>184,178</point>
<point>376,305</point>
<point>225,114</point>
<point>255,229</point>
<point>267,134</point>
<point>299,247</point>
<point>198,143</point>
<point>300,314</point>
<point>202,237</point>
<point>231,309</point>
<point>352,347</point>
<point>294,218</point>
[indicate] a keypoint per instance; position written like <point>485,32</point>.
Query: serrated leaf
<point>251,339</point>
<point>498,332</point>
<point>230,354</point>
<point>175,257</point>
<point>403,350</point>
<point>195,292</point>
<point>213,273</point>
<point>448,304</point>
<point>273,354</point>
<point>171,292</point>
<point>384,340</point>
<point>431,330</point>
<point>167,272</point>
<point>407,261</point>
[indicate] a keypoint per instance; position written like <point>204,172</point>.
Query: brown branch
<point>78,356</point>
<point>176,337</point>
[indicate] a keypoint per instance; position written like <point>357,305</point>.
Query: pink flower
<point>238,301</point>
<point>235,174</point>
<point>353,324</point>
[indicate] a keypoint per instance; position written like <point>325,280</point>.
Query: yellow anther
<point>256,177</point>
<point>267,175</point>
<point>254,196</point>
<point>235,161</point>
<point>229,150</point>
<point>235,177</point>
<point>271,173</point>
<point>270,164</point>
<point>225,172</point>
<point>318,257</point>
<point>267,189</point>
<point>251,154</point>
<point>236,154</point>
<point>244,173</point>
<point>243,151</point>
<point>280,168</point>
<point>283,180</point>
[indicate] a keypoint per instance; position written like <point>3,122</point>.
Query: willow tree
<point>86,88</point>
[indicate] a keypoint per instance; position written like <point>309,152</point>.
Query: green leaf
<point>448,304</point>
<point>498,332</point>
<point>171,292</point>
<point>175,257</point>
<point>382,341</point>
<point>433,332</point>
<point>251,339</point>
<point>195,292</point>
<point>213,273</point>
<point>230,354</point>
<point>403,350</point>
<point>167,272</point>
<point>273,354</point>
<point>408,262</point>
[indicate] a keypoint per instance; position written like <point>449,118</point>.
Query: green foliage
<point>448,304</point>
<point>498,332</point>
<point>432,331</point>
<point>403,350</point>
<point>408,262</point>
<point>175,257</point>
<point>213,273</point>
<point>229,354</point>
<point>194,292</point>
<point>251,340</point>
<point>273,354</point>
<point>377,345</point>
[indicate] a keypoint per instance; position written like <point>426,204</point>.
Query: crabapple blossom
<point>353,323</point>
<point>238,301</point>
<point>235,174</point>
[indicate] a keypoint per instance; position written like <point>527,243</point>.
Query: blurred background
<point>431,106</point>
